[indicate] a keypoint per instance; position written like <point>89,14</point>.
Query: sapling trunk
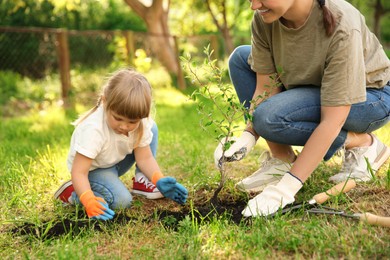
<point>226,109</point>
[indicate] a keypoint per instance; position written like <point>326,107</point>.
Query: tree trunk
<point>161,41</point>
<point>223,26</point>
<point>378,12</point>
<point>228,39</point>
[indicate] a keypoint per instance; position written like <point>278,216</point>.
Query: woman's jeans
<point>291,116</point>
<point>105,183</point>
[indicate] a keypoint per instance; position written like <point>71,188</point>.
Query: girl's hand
<point>96,207</point>
<point>170,188</point>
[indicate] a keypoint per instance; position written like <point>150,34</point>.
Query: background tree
<point>377,15</point>
<point>155,17</point>
<point>381,8</point>
<point>224,14</point>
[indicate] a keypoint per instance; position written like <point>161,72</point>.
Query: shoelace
<point>147,183</point>
<point>350,158</point>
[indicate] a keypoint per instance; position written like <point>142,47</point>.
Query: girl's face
<point>121,124</point>
<point>272,10</point>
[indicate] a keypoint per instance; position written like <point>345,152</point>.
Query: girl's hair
<point>329,19</point>
<point>128,94</point>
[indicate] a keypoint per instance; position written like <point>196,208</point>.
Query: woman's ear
<point>103,98</point>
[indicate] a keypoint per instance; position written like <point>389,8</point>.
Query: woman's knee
<point>239,55</point>
<point>263,121</point>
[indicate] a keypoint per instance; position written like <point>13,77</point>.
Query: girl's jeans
<point>291,116</point>
<point>105,183</point>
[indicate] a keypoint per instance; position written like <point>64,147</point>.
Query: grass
<point>33,155</point>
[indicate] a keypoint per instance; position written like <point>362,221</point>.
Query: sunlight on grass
<point>171,97</point>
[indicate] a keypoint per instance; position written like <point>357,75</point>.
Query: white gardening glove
<point>274,197</point>
<point>238,150</point>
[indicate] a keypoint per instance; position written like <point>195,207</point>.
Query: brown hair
<point>128,94</point>
<point>329,19</point>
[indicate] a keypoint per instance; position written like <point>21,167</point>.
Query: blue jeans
<point>291,116</point>
<point>105,183</point>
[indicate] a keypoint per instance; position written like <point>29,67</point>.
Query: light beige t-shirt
<point>94,139</point>
<point>342,65</point>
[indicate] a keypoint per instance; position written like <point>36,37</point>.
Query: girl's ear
<point>103,98</point>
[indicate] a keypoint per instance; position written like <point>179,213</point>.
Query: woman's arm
<point>80,170</point>
<point>265,88</point>
<point>332,120</point>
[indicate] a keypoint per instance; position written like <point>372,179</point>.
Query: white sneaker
<point>270,172</point>
<point>355,161</point>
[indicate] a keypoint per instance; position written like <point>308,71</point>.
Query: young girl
<point>107,141</point>
<point>334,93</point>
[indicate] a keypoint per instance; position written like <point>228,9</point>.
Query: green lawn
<point>33,153</point>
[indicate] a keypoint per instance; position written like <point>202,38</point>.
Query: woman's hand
<point>237,151</point>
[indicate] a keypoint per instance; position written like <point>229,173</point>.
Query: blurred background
<point>58,49</point>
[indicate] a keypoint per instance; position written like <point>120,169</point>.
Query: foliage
<point>34,54</point>
<point>73,14</point>
<point>9,87</point>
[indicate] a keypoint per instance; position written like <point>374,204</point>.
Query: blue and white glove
<point>237,151</point>
<point>273,197</point>
<point>170,188</point>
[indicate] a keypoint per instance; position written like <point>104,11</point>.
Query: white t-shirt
<point>94,139</point>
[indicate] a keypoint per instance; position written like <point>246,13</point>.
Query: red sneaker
<point>64,192</point>
<point>142,186</point>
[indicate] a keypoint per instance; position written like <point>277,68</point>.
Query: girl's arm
<point>146,162</point>
<point>80,170</point>
<point>168,186</point>
<point>332,120</point>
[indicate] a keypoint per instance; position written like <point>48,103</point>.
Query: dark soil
<point>230,210</point>
<point>202,211</point>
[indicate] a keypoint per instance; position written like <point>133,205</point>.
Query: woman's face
<point>121,124</point>
<point>271,10</point>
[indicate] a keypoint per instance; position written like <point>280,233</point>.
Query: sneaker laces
<point>350,160</point>
<point>146,182</point>
<point>266,163</point>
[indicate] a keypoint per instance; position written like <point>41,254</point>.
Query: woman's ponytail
<point>329,20</point>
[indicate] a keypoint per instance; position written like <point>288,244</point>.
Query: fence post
<point>129,36</point>
<point>180,75</point>
<point>64,63</point>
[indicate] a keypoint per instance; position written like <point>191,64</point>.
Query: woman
<point>334,92</point>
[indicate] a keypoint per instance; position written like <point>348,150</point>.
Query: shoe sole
<point>148,195</point>
<point>61,189</point>
<point>381,159</point>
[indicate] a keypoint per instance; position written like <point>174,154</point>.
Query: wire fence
<point>38,52</point>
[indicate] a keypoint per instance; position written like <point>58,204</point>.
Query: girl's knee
<point>122,200</point>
